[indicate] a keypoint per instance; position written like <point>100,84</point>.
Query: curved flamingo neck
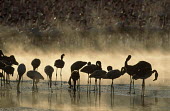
<point>126,63</point>
<point>62,57</point>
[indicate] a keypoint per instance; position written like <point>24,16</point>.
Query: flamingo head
<point>62,56</point>
<point>123,70</point>
<point>109,68</point>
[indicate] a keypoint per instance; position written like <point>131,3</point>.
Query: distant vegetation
<point>94,24</point>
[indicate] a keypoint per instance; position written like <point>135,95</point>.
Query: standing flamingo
<point>76,66</point>
<point>113,74</point>
<point>98,67</point>
<point>9,70</point>
<point>75,76</point>
<point>21,70</point>
<point>145,73</point>
<point>35,63</point>
<point>98,74</point>
<point>90,68</point>
<point>35,76</point>
<point>5,63</point>
<point>59,64</point>
<point>136,69</point>
<point>49,71</point>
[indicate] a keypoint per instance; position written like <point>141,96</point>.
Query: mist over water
<point>96,44</point>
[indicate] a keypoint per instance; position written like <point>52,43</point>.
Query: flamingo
<point>59,64</point>
<point>113,74</point>
<point>75,76</point>
<point>136,69</point>
<point>9,70</point>
<point>7,62</point>
<point>98,74</point>
<point>143,74</point>
<point>76,66</point>
<point>98,67</point>
<point>90,68</point>
<point>35,76</point>
<point>21,70</point>
<point>35,63</point>
<point>49,71</point>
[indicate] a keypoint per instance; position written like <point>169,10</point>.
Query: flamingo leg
<point>95,84</point>
<point>61,76</point>
<point>99,85</point>
<point>48,81</point>
<point>112,87</point>
<point>56,76</point>
<point>17,78</point>
<point>74,85</point>
<point>18,88</point>
<point>143,87</point>
<point>3,77</point>
<point>22,79</point>
<point>133,86</point>
<point>33,84</point>
<point>130,84</point>
<point>1,81</point>
<point>88,82</point>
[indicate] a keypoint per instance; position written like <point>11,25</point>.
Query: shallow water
<point>63,99</point>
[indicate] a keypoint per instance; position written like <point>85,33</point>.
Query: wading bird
<point>90,68</point>
<point>49,71</point>
<point>136,69</point>
<point>9,70</point>
<point>5,63</point>
<point>21,70</point>
<point>76,66</point>
<point>35,76</point>
<point>143,74</point>
<point>75,77</point>
<point>59,64</point>
<point>35,63</point>
<point>98,74</point>
<point>98,67</point>
<point>113,74</point>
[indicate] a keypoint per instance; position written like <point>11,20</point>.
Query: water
<point>63,99</point>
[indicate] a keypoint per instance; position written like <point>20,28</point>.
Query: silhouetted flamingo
<point>21,70</point>
<point>90,68</point>
<point>59,64</point>
<point>7,61</point>
<point>113,74</point>
<point>49,71</point>
<point>9,70</point>
<point>76,66</point>
<point>135,69</point>
<point>75,76</point>
<point>131,70</point>
<point>35,63</point>
<point>98,67</point>
<point>98,74</point>
<point>145,73</point>
<point>35,76</point>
